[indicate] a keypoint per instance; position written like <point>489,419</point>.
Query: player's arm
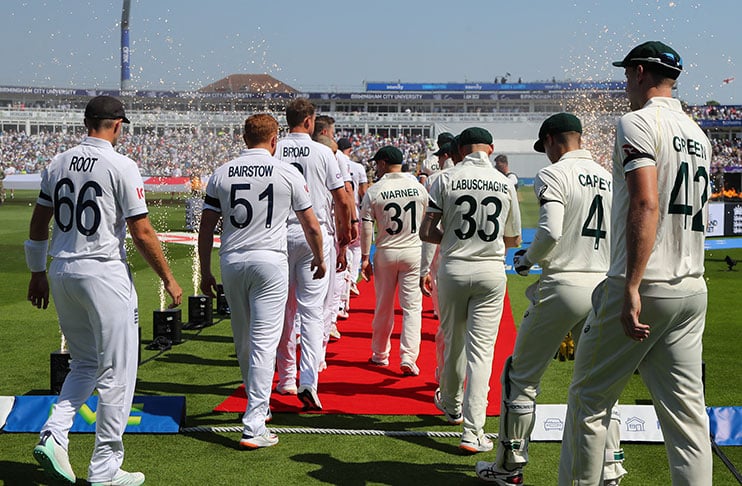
<point>145,240</point>
<point>36,255</point>
<point>313,234</point>
<point>429,230</point>
<point>548,234</point>
<point>343,214</point>
<point>641,231</point>
<point>209,220</point>
<point>367,235</point>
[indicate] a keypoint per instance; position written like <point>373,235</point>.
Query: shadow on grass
<point>21,474</point>
<point>170,388</point>
<point>190,359</point>
<point>333,471</point>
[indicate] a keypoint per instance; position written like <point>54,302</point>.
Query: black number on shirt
<point>79,210</point>
<point>596,212</point>
<point>398,223</point>
<point>471,223</point>
<point>681,206</point>
<point>235,201</point>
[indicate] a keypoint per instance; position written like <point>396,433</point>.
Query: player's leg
<point>385,281</point>
<point>355,263</point>
<point>604,363</point>
<point>113,317</point>
<point>453,279</point>
<point>679,401</point>
<point>411,302</point>
<point>267,275</point>
<point>310,300</point>
<point>286,353</point>
<point>74,322</point>
<point>483,322</point>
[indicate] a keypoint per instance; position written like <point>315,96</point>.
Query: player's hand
<point>175,292</point>
<point>426,285</point>
<point>208,285</point>
<point>367,270</point>
<point>343,237</point>
<point>38,290</point>
<point>521,264</point>
<point>319,268</point>
<point>632,308</point>
<point>354,231</point>
<point>342,260</point>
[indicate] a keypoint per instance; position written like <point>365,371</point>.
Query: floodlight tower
<point>125,72</point>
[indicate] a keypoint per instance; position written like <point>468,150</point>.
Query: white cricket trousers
<point>255,284</point>
<point>307,297</point>
<point>557,306</point>
<point>669,362</point>
<point>471,301</point>
<point>397,269</point>
<point>97,308</point>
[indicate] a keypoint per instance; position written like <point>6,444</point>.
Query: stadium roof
<point>248,83</point>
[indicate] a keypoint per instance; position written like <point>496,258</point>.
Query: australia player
<point>254,194</point>
<point>93,194</point>
<point>650,311</point>
<point>572,247</point>
<point>479,214</point>
<point>396,203</point>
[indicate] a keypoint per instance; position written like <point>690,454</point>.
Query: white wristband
<point>36,254</point>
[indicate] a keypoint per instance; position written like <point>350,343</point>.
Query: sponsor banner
<point>638,423</point>
<point>715,224</point>
<point>604,86</point>
<point>149,415</point>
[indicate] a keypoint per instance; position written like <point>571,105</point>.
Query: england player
<point>254,194</point>
<point>571,246</point>
<point>650,311</point>
<point>306,294</point>
<point>396,203</point>
<point>478,211</point>
<point>360,186</point>
<point>93,194</point>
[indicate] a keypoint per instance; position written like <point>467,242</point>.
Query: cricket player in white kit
<point>396,203</point>
<point>319,167</point>
<point>479,213</point>
<point>93,194</point>
<point>650,311</point>
<point>571,246</point>
<point>255,194</point>
<point>431,164</point>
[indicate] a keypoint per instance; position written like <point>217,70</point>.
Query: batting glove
<point>521,264</point>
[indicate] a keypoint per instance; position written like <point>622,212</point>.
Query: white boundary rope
<point>309,430</point>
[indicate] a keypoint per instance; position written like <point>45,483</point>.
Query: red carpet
<point>350,385</point>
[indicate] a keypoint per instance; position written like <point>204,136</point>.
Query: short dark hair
<point>297,111</point>
<point>502,158</point>
<point>259,129</point>
<point>321,122</point>
<point>97,124</point>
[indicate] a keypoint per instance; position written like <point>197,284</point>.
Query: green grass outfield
<point>204,369</point>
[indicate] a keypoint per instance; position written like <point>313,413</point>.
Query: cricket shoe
<point>487,471</point>
<point>122,478</point>
<point>451,418</point>
<point>480,444</point>
<point>53,459</point>
<point>334,333</point>
<point>269,417</point>
<point>309,398</point>
<point>343,314</point>
<point>383,362</point>
<point>286,389</point>
<point>354,289</point>
<point>257,441</point>
<point>409,369</point>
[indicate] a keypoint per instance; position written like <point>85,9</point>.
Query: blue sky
<point>337,45</point>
